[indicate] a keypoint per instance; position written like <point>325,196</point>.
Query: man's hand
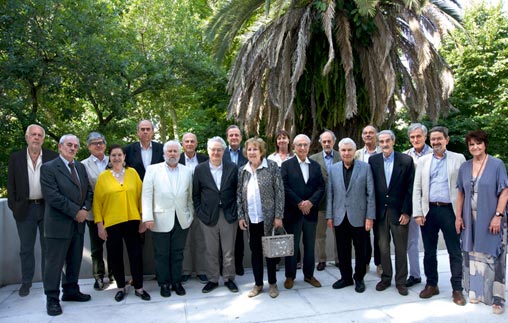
<point>368,224</point>
<point>420,220</point>
<point>149,225</point>
<point>81,216</point>
<point>404,219</point>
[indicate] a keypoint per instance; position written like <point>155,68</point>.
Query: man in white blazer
<point>168,212</point>
<point>434,198</point>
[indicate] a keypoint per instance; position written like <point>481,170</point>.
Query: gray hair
<point>386,132</point>
<point>27,132</point>
<point>151,123</point>
<point>67,136</point>
<point>441,129</point>
<point>171,143</point>
<point>347,141</point>
<point>94,136</point>
<point>189,134</point>
<point>330,132</point>
<point>216,139</point>
<point>415,126</point>
<point>300,136</point>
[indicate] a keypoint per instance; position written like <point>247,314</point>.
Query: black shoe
<point>359,286</point>
<point>321,266</point>
<point>24,290</point>
<point>178,288</point>
<point>231,286</point>
<point>99,284</point>
<point>240,271</point>
<point>341,283</point>
<point>77,297</point>
<point>53,307</point>
<point>165,290</point>
<point>120,295</point>
<point>209,287</point>
<point>411,281</point>
<point>202,279</point>
<point>185,278</point>
<point>143,295</point>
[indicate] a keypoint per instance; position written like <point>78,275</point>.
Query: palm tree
<point>306,65</point>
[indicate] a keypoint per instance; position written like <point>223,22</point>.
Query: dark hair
<point>111,148</point>
<point>479,136</point>
<point>283,133</point>
<point>440,129</point>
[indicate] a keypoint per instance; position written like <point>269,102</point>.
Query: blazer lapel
<point>353,177</point>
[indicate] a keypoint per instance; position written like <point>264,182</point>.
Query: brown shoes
<point>458,298</point>
<point>321,266</point>
<point>402,290</point>
<point>289,283</point>
<point>429,291</point>
<point>381,286</point>
<point>313,281</point>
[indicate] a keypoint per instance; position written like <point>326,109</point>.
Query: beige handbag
<point>276,246</point>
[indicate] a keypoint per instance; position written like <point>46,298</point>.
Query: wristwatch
<point>499,214</point>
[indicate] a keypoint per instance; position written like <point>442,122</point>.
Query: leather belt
<point>439,204</point>
<point>37,201</point>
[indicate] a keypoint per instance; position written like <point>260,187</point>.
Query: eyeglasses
<point>97,143</point>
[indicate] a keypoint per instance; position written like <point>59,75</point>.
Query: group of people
<point>189,205</point>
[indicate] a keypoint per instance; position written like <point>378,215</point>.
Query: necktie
<point>75,177</point>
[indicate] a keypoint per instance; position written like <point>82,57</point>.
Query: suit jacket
<point>18,189</point>
<point>296,190</point>
<point>396,199</point>
<point>321,161</point>
<point>357,201</point>
<point>134,160</point>
<point>201,158</point>
<point>93,173</point>
<point>242,160</point>
<point>422,181</point>
<point>207,197</point>
<point>160,202</point>
<point>64,198</point>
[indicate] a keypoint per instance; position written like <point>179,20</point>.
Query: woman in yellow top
<point>117,211</point>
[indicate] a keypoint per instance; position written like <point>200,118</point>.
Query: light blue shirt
<point>439,189</point>
<point>234,154</point>
<point>328,160</point>
<point>388,165</point>
<point>146,155</point>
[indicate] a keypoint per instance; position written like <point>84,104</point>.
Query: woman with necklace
<point>117,212</point>
<point>481,216</point>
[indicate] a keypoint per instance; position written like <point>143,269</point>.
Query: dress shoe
<point>209,287</point>
<point>298,265</point>
<point>185,278</point>
<point>321,266</point>
<point>289,283</point>
<point>274,291</point>
<point>240,271</point>
<point>165,290</point>
<point>202,279</point>
<point>429,291</point>
<point>231,286</point>
<point>53,307</point>
<point>341,283</point>
<point>458,298</point>
<point>359,286</point>
<point>24,290</point>
<point>99,284</point>
<point>178,288</point>
<point>120,295</point>
<point>255,291</point>
<point>313,281</point>
<point>382,285</point>
<point>143,295</point>
<point>77,297</point>
<point>411,281</point>
<point>402,289</point>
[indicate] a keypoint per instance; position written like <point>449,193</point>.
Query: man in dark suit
<point>140,155</point>
<point>304,187</point>
<point>214,195</point>
<point>234,153</point>
<point>68,197</point>
<point>24,197</point>
<point>195,248</point>
<point>393,182</point>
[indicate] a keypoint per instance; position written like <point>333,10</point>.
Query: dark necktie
<point>75,177</point>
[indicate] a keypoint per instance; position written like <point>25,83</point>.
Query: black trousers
<point>345,234</point>
<point>117,234</point>
<point>168,250</point>
<point>307,229</point>
<point>97,252</point>
<point>256,231</point>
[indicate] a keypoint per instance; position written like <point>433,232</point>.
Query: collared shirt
<point>216,174</point>
<point>388,165</point>
<point>328,158</point>
<point>347,172</point>
<point>366,154</point>
<point>254,205</point>
<point>191,162</point>
<point>304,166</point>
<point>34,177</point>
<point>415,155</point>
<point>439,189</point>
<point>276,158</point>
<point>172,175</point>
<point>101,164</point>
<point>66,162</point>
<point>234,154</point>
<point>146,155</point>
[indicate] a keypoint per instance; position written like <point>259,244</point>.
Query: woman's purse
<point>276,246</point>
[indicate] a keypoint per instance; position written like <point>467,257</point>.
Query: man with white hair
<point>168,212</point>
